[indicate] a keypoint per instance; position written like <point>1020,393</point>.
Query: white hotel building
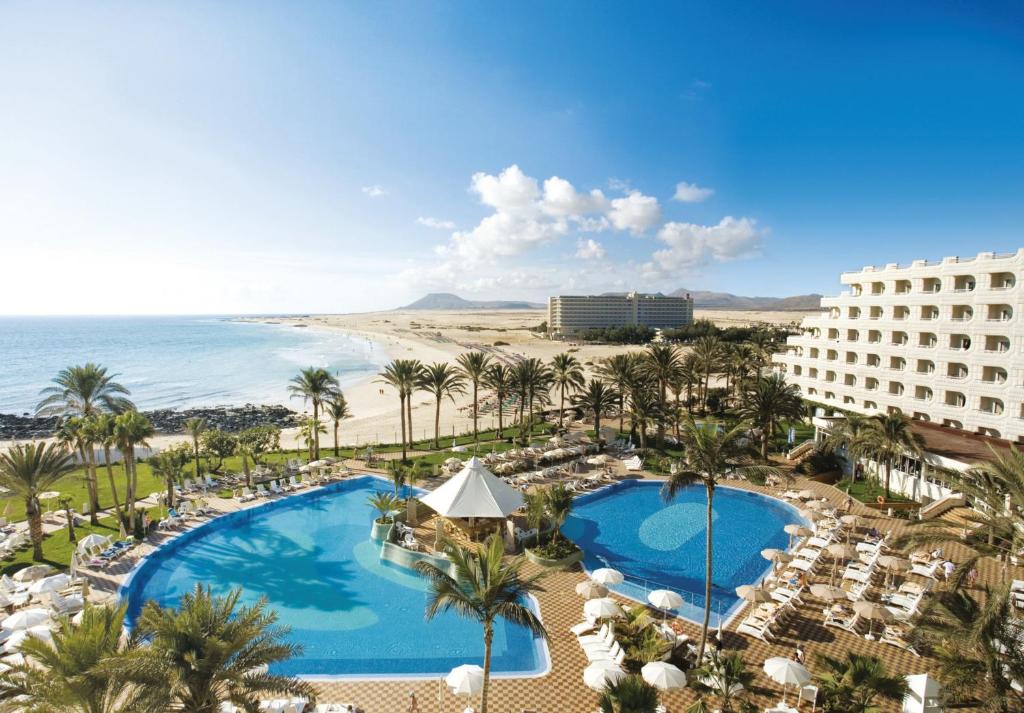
<point>941,341</point>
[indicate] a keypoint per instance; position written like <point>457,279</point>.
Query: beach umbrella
<point>599,674</point>
<point>812,515</point>
<point>665,599</point>
<point>92,540</point>
<point>828,593</point>
<point>850,520</point>
<point>42,633</point>
<point>590,589</point>
<point>31,574</point>
<point>663,675</point>
<point>775,555</point>
<point>786,671</point>
<point>50,584</point>
<point>893,565</point>
<point>607,576</point>
<point>25,619</point>
<point>603,608</point>
<point>795,530</point>
<point>465,680</point>
<point>839,551</point>
<point>872,611</point>
<point>753,594</point>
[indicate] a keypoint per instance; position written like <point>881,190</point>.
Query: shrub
<point>819,462</point>
<point>556,550</point>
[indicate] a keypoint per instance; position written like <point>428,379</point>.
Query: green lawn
<point>867,491</point>
<point>56,548</point>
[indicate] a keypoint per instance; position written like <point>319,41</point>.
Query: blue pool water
<point>661,545</point>
<point>311,556</point>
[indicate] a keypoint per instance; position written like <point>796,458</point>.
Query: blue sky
<point>290,157</point>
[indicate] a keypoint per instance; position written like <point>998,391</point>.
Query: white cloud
<point>511,191</point>
<point>691,193</point>
<point>562,199</point>
<point>635,212</point>
<point>375,191</point>
<point>435,223</point>
<point>691,245</point>
<point>502,235</point>
<point>589,249</point>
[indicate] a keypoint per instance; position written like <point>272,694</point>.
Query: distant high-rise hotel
<point>941,341</point>
<point>570,315</point>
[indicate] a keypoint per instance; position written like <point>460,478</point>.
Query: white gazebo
<point>474,493</point>
<point>923,695</point>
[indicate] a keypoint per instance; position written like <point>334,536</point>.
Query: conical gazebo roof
<point>474,492</point>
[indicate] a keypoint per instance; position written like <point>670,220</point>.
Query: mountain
<point>449,302</point>
<point>723,300</point>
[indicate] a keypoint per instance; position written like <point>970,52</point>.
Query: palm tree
<point>660,363</point>
<point>766,403</point>
<point>316,386</point>
<point>483,588</point>
<point>76,434</point>
<point>631,694</point>
<point>725,677</point>
<point>84,391</point>
<point>29,469</point>
<point>167,466</point>
<point>620,370</point>
<point>80,672</point>
<point>104,433</point>
<point>337,410</point>
<point>857,684</point>
<point>385,503</point>
<point>210,651</point>
<point>533,382</point>
<point>401,374</point>
<point>442,381</point>
<point>473,366</point>
<point>558,501</point>
<point>596,398</point>
<point>566,373</point>
<point>131,429</point>
<point>711,453</point>
<point>644,411</point>
<point>846,435</point>
<point>888,438</point>
<point>498,378</point>
<point>310,430</point>
<point>707,354</point>
<point>194,428</point>
<point>977,647</point>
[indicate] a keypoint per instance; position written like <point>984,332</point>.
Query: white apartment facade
<point>941,341</point>
<point>570,315</point>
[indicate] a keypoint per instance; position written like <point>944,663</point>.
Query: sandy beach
<point>433,336</point>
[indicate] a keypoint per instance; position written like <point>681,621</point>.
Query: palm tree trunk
<point>315,455</point>
<point>113,483</point>
<point>622,411</point>
<point>408,413</point>
<point>707,576</point>
<point>488,638</point>
<point>35,528</point>
<point>501,405</point>
<point>94,497</point>
<point>661,417</point>
<point>335,439</point>
<point>437,422</point>
<point>401,414</point>
<point>475,435</point>
<point>170,492</point>
<point>561,404</point>
<point>128,458</point>
<point>245,469</point>
<point>597,429</point>
<point>195,451</point>
<point>888,474</point>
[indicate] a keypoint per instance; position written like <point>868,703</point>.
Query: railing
<point>693,602</point>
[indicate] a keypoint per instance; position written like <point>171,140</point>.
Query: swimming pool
<point>312,557</point>
<point>659,545</point>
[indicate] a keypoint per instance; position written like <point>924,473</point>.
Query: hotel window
<point>874,336</point>
<point>918,416</point>
<point>929,312</point>
<point>925,366</point>
<point>956,370</point>
<point>813,373</point>
<point>814,352</point>
<point>849,400</point>
<point>832,355</point>
<point>955,399</point>
<point>991,405</point>
<point>931,284</point>
<point>830,376</point>
<point>812,391</point>
<point>878,288</point>
<point>797,370</point>
<point>922,393</point>
<point>927,340</point>
<point>897,363</point>
<point>852,335</point>
<point>849,380</point>
<point>874,360</point>
<point>900,312</point>
<point>1000,313</point>
<point>856,290</point>
<point>902,287</point>
<point>870,406</point>
<point>851,357</point>
<point>899,338</point>
<point>830,395</point>
<point>833,313</point>
<point>997,344</point>
<point>895,388</point>
<point>993,375</point>
<point>854,313</point>
<point>962,313</point>
<point>1003,280</point>
<point>875,313</point>
<point>833,334</point>
<point>871,384</point>
<point>959,342</point>
<point>950,423</point>
<point>963,283</point>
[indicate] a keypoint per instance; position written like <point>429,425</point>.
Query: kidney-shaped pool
<point>661,545</point>
<point>354,614</point>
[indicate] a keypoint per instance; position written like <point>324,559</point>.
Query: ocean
<point>177,362</point>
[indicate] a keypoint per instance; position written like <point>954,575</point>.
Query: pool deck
<point>562,689</point>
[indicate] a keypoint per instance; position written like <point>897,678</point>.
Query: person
<point>848,505</point>
<point>972,577</point>
<point>799,654</point>
<point>948,568</point>
<point>413,705</point>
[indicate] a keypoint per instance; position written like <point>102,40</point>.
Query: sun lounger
<point>603,635</point>
<point>296,483</point>
<point>784,595</point>
<point>859,574</point>
<point>71,604</point>
<point>246,495</point>
<point>275,488</point>
<point>927,570</point>
<point>897,635</point>
<point>757,627</point>
<point>842,618</point>
<point>261,491</point>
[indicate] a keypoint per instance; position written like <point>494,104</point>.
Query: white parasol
<point>607,576</point>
